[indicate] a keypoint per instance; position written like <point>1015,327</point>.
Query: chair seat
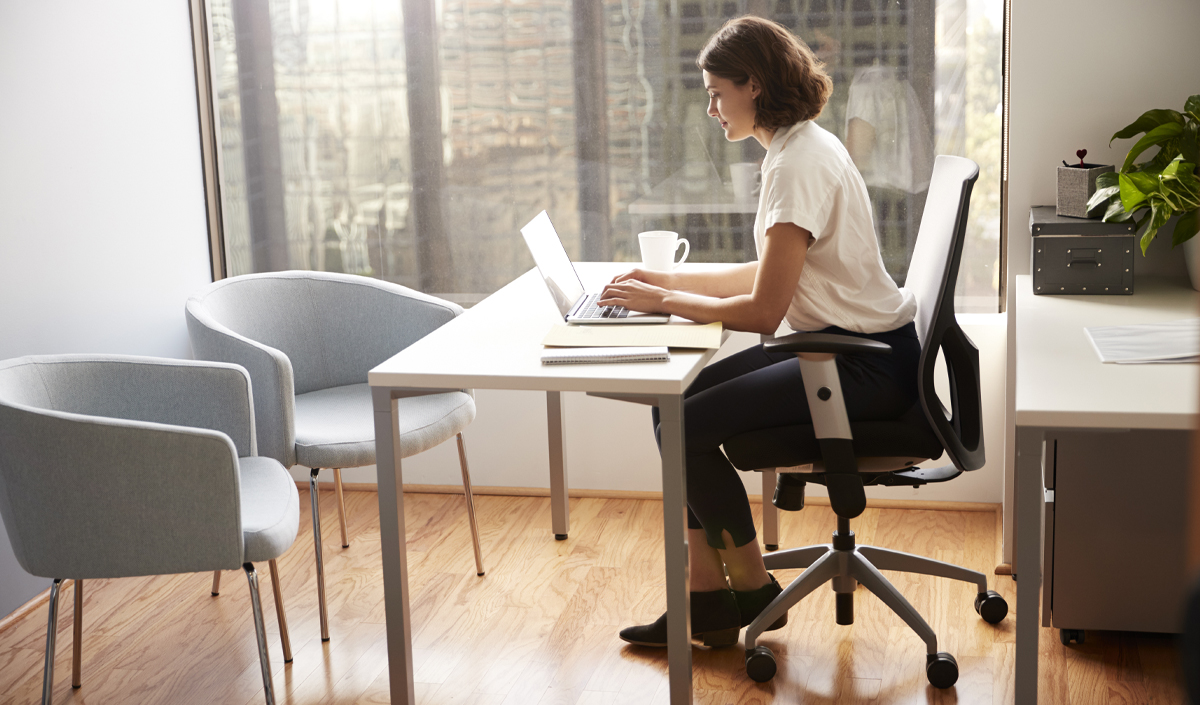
<point>335,427</point>
<point>788,446</point>
<point>270,508</point>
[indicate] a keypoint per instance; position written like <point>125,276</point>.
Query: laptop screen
<point>552,262</point>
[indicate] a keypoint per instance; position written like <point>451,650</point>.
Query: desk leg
<point>560,508</point>
<point>395,560</point>
<point>674,478</point>
<point>1028,519</point>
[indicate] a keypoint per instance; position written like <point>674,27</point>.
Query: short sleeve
<point>803,199</point>
<point>864,99</point>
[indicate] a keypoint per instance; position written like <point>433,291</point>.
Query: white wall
<point>1081,71</point>
<point>102,225</point>
<point>610,445</point>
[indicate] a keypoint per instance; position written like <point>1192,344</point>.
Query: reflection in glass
<point>351,142</point>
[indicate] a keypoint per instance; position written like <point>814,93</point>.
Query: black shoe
<point>751,603</point>
<point>715,622</point>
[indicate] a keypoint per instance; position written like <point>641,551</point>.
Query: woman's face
<point>732,105</point>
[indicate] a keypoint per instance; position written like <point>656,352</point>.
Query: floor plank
<point>540,626</point>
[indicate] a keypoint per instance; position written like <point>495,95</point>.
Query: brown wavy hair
<point>793,85</point>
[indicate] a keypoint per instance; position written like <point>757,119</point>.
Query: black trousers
<point>755,389</point>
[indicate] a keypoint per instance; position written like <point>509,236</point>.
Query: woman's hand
<point>663,280</point>
<point>634,294</point>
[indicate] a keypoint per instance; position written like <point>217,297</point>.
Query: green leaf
<point>1158,135</point>
<point>1185,227</point>
<point>1147,122</point>
<point>1107,179</point>
<point>1101,195</point>
<point>1175,165</point>
<point>1189,143</point>
<point>1136,188</point>
<point>1192,107</point>
<point>1159,214</point>
<point>1116,212</point>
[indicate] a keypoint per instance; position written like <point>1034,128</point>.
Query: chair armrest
<point>271,370</point>
<point>826,343</point>
<point>92,497</point>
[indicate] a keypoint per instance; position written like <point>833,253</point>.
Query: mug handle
<point>686,249</point>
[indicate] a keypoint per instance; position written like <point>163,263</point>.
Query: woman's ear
<point>754,89</point>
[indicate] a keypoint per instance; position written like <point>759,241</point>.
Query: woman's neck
<point>763,136</point>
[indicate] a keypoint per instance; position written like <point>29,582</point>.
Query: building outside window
<point>410,140</point>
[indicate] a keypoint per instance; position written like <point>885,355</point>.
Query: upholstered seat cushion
<point>789,446</point>
<point>270,508</point>
<point>335,427</point>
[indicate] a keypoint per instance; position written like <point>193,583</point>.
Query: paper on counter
<point>1172,341</point>
<point>671,335</point>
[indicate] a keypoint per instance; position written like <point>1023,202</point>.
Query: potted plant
<point>1165,185</point>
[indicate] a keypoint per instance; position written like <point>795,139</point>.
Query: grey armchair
<point>115,466</point>
<point>308,340</point>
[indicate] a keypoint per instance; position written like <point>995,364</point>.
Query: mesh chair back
<point>932,275</point>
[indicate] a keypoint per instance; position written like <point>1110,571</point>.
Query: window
<point>410,139</point>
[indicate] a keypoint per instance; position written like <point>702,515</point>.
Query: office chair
<point>115,466</point>
<point>308,340</point>
<point>845,455</point>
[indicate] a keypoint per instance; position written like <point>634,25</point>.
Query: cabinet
<point>1116,515</point>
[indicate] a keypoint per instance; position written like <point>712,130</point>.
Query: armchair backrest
<point>114,466</point>
<point>932,275</point>
<point>333,328</point>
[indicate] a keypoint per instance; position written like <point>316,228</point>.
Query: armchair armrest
<point>827,343</point>
<point>271,370</point>
<point>93,497</point>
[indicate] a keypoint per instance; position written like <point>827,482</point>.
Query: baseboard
<point>636,494</point>
<point>38,600</point>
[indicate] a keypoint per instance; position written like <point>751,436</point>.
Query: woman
<point>819,268</point>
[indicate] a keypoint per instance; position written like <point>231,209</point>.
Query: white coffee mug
<point>744,176</point>
<point>659,248</point>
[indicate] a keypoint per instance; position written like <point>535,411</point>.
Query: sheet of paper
<point>1173,341</point>
<point>671,335</point>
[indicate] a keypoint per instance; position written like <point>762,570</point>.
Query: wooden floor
<point>541,626</point>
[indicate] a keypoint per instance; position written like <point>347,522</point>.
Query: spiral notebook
<point>581,356</point>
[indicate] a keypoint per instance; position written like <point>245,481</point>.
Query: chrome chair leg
<point>283,627</point>
<point>466,474</point>
<point>216,588</point>
<point>260,632</point>
<point>51,632</point>
<point>341,503</point>
<point>316,519</point>
<point>77,644</point>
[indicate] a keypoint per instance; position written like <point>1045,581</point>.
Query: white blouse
<point>809,180</point>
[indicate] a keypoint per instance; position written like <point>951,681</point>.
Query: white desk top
<point>497,344</point>
<point>1061,382</point>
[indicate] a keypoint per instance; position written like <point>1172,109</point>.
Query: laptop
<point>575,305</point>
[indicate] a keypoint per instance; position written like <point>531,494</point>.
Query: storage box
<point>1076,184</point>
<point>1073,256</point>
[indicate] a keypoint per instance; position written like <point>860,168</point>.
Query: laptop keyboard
<point>591,310</point>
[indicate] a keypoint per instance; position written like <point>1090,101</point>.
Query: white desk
<point>497,345</point>
<point>1061,384</point>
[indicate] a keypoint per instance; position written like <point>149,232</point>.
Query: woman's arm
<point>759,311</point>
<point>731,281</point>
